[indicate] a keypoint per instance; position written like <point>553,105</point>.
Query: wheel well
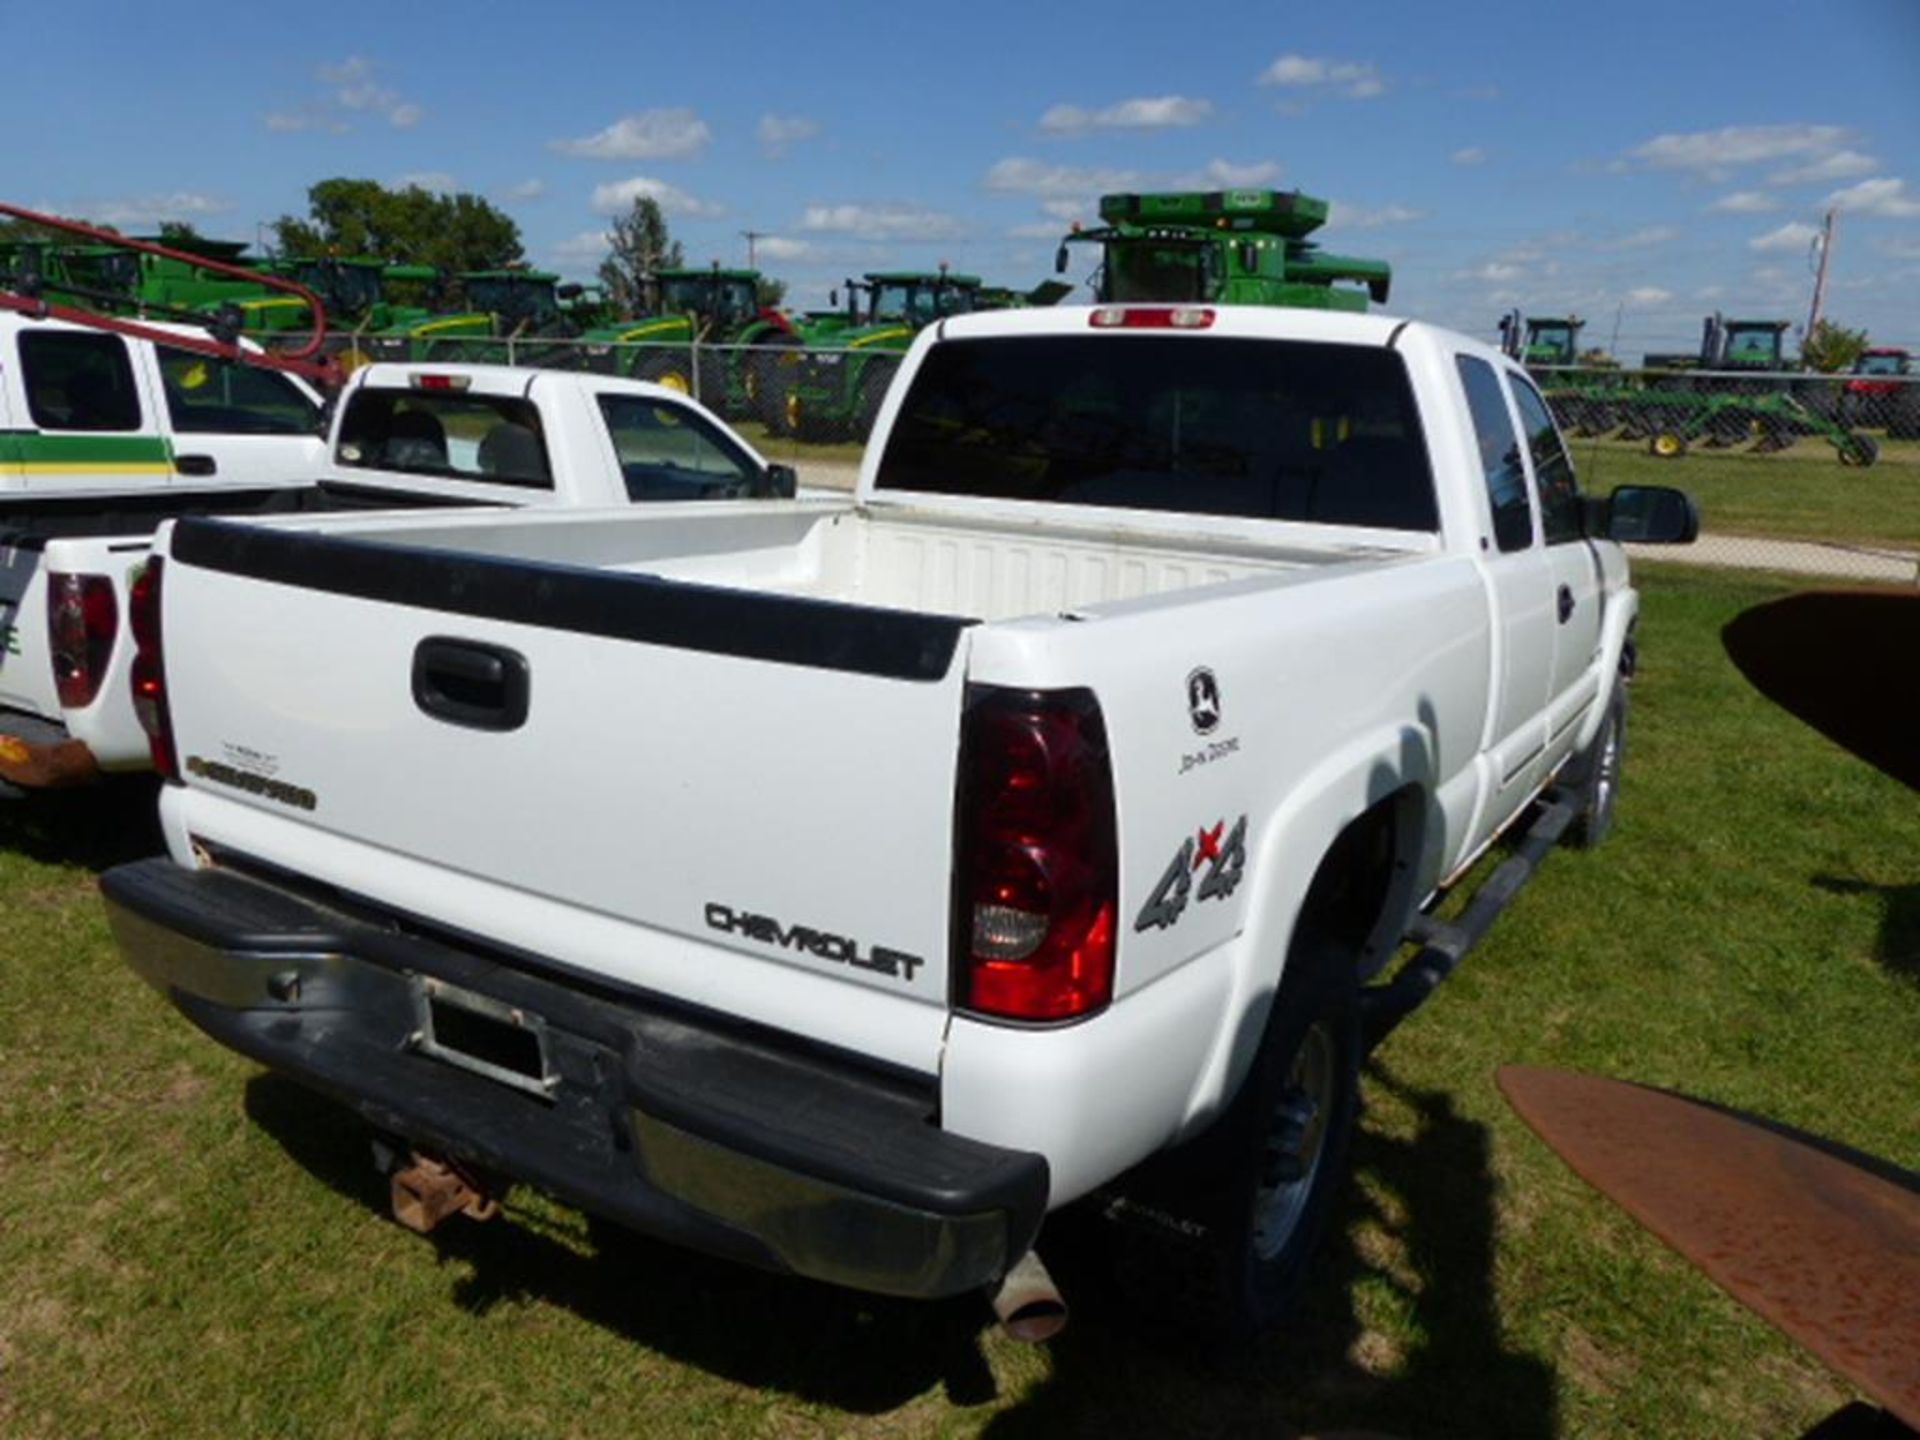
<point>1362,890</point>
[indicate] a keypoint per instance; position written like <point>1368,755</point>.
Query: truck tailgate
<point>743,785</point>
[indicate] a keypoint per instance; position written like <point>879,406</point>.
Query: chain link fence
<point>1808,474</point>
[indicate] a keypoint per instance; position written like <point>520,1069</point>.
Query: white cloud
<point>1471,155</point>
<point>1355,80</point>
<point>670,134</point>
<point>308,117</point>
<point>778,134</point>
<point>1639,239</point>
<point>1069,209</point>
<point>1714,152</point>
<point>1037,177</point>
<point>1794,235</point>
<point>1745,202</point>
<point>529,189</point>
<point>779,247</point>
<point>356,89</point>
<point>882,222</point>
<point>588,247</point>
<point>141,209</point>
<point>1840,165</point>
<point>1899,249</point>
<point>1648,295</point>
<point>1364,217</point>
<point>1497,272</point>
<point>1158,112</point>
<point>436,180</point>
<point>1226,175</point>
<point>617,196</point>
<point>1883,196</point>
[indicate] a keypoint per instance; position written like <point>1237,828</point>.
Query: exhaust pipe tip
<point>1028,1304</point>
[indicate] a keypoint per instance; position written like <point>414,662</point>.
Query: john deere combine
<point>1232,247</point>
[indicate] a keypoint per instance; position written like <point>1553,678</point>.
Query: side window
<point>206,396</point>
<point>668,452</point>
<point>78,381</point>
<point>1552,468</point>
<point>1500,458</point>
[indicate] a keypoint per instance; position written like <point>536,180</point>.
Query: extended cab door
<point>1520,576</point>
<point>87,423</point>
<point>1573,570</point>
<point>235,424</point>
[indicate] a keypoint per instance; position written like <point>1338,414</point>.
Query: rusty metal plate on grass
<point>1825,1248</point>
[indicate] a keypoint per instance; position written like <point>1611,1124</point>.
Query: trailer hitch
<point>429,1188</point>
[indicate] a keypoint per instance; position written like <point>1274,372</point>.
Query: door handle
<point>195,465</point>
<point>1565,603</point>
<point>469,683</point>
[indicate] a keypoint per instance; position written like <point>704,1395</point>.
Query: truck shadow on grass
<point>97,827</point>
<point>1416,1240</point>
<point>1398,1333</point>
<point>1899,945</point>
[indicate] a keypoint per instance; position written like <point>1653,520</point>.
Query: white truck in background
<point>843,888</point>
<point>102,437</point>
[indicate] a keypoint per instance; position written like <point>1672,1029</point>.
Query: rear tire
<point>1220,1233</point>
<point>1593,776</point>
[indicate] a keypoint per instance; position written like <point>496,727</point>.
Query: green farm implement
<point>1231,247</point>
<point>1678,402</point>
<point>704,330</point>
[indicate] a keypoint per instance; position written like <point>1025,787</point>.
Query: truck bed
<point>889,558</point>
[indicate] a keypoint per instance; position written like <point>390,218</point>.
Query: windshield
<point>1155,270</point>
<point>920,302</point>
<point>1553,341</point>
<point>727,301</point>
<point>1265,429</point>
<point>1753,346</point>
<point>514,300</point>
<point>343,289</point>
<point>1879,365</point>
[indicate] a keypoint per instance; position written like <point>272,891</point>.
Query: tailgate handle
<point>467,682</point>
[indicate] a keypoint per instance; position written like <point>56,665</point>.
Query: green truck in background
<point>1228,247</point>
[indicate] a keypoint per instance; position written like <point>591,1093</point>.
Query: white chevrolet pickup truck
<point>844,888</point>
<point>102,437</point>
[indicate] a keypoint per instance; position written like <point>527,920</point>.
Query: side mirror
<point>1060,261</point>
<point>1651,515</point>
<point>778,482</point>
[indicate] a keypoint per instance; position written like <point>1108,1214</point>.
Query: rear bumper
<point>705,1135</point>
<point>37,754</point>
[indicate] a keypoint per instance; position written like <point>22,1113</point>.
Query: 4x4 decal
<point>1226,861</point>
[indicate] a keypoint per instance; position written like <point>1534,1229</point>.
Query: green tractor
<point>836,387</point>
<point>1228,247</point>
<point>705,331</point>
<point>1541,341</point>
<point>1752,345</point>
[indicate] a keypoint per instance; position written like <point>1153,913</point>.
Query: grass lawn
<point>1798,494</point>
<point>191,1247</point>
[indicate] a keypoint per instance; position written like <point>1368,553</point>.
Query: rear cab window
<point>79,382</point>
<point>1552,466</point>
<point>496,439</point>
<point>1253,428</point>
<point>1506,473</point>
<point>209,396</point>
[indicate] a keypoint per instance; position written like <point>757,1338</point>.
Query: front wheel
<point>1593,776</point>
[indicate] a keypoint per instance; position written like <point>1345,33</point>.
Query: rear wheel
<point>873,390</point>
<point>1235,1217</point>
<point>1859,450</point>
<point>668,368</point>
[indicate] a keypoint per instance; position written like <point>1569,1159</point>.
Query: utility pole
<point>1825,245</point>
<point>751,236</point>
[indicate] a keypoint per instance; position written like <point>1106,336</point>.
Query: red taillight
<point>1151,317</point>
<point>1037,870</point>
<point>149,668</point>
<point>82,619</point>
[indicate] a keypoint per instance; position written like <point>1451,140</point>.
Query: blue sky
<point>1639,163</point>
